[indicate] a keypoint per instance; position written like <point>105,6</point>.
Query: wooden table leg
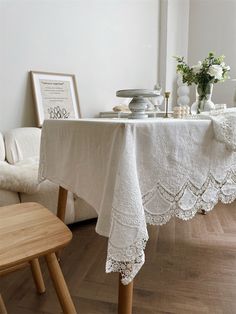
<point>125,298</point>
<point>61,205</point>
<point>60,284</point>
<point>61,209</point>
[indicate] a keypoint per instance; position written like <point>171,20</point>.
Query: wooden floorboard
<point>190,268</point>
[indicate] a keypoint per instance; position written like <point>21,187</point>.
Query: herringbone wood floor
<point>190,268</point>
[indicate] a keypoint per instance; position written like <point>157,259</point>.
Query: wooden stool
<point>28,231</point>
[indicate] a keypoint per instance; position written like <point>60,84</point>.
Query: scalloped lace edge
<point>129,269</point>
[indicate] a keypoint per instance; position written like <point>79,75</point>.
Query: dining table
<point>135,173</point>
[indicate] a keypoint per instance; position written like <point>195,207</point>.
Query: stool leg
<point>3,309</point>
<point>60,284</point>
<point>37,275</point>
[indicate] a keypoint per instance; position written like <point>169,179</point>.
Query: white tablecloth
<point>138,172</point>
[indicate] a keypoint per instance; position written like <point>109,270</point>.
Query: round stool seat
<point>29,230</point>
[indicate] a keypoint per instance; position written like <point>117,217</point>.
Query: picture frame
<point>55,96</point>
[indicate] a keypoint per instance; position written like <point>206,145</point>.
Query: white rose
<point>197,68</point>
<point>216,71</point>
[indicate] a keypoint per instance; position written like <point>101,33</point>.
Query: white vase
<point>182,92</point>
<point>203,99</point>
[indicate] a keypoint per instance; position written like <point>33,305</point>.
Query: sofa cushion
<point>2,148</point>
<point>47,195</point>
<point>83,210</point>
<point>8,198</point>
<point>22,143</point>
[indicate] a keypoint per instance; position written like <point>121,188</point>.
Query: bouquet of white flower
<point>211,70</point>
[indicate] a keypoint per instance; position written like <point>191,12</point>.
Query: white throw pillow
<point>21,177</point>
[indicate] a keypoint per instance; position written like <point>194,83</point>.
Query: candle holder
<point>167,95</point>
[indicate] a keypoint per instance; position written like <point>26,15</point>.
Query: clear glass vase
<point>203,99</point>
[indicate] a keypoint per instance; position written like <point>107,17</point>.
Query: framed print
<point>55,96</point>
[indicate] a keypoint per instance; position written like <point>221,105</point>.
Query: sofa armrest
<point>22,143</point>
<point>2,148</point>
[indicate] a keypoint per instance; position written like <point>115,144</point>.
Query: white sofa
<point>19,157</point>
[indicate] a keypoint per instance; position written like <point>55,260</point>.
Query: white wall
<point>212,27</point>
<point>108,44</point>
<point>173,41</point>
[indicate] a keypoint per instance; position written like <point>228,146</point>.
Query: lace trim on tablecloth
<point>225,129</point>
<point>205,197</point>
<point>127,269</point>
<point>129,260</point>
